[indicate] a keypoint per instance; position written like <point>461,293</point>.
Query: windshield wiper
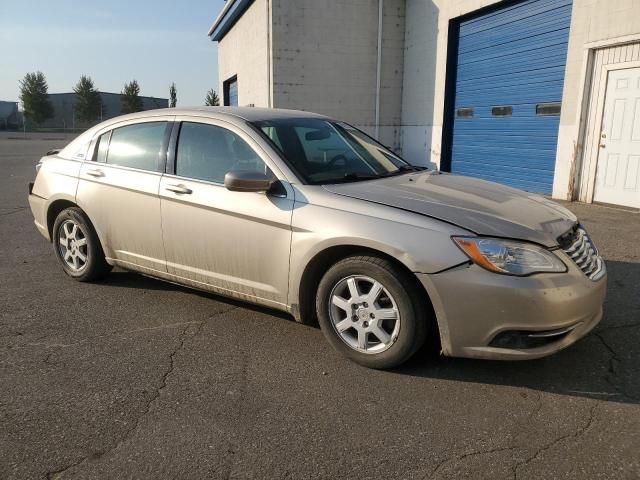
<point>354,177</point>
<point>405,169</point>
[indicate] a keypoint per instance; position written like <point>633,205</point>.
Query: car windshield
<point>323,152</point>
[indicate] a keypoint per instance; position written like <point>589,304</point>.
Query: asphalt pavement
<point>137,378</point>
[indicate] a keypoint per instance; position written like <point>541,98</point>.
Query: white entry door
<point>618,177</point>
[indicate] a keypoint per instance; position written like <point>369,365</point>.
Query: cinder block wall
<point>325,60</point>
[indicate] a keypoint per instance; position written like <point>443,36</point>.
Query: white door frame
<point>588,166</point>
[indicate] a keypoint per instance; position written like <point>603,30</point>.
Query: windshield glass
<point>322,152</point>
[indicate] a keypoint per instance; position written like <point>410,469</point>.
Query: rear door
<point>118,189</point>
<point>236,242</point>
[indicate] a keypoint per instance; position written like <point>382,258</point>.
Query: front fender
<point>421,244</point>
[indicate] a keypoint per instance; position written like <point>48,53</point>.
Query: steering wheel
<point>335,159</point>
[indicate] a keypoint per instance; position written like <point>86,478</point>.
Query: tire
<point>77,246</point>
<point>392,293</point>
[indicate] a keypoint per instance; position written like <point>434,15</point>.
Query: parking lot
<point>136,378</point>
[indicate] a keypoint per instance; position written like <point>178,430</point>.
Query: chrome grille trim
<point>585,254</point>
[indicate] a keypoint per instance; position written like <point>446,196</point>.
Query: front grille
<point>583,252</point>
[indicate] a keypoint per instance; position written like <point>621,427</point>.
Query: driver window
<point>207,152</point>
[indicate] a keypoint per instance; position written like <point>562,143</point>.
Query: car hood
<point>485,208</point>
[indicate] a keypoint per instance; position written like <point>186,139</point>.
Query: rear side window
<point>137,146</point>
<point>208,152</point>
<point>101,149</point>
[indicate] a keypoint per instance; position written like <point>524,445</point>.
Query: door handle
<point>180,189</point>
<point>95,172</point>
<point>602,145</point>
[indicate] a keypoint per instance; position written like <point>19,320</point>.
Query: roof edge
<point>230,14</point>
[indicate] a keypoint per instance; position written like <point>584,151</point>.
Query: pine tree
<point>173,96</point>
<point>88,104</point>
<point>212,99</point>
<point>34,95</point>
<point>131,101</point>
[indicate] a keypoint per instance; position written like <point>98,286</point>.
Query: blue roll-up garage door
<point>508,90</point>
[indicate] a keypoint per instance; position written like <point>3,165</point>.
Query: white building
<point>542,95</point>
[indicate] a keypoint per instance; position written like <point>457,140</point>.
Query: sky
<point>155,42</point>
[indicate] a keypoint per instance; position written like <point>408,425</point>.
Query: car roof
<point>232,114</point>
<point>250,114</point>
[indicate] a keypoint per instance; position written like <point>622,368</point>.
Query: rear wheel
<point>77,246</point>
<point>371,311</point>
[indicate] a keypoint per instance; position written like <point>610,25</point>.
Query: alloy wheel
<point>364,314</point>
<point>72,244</point>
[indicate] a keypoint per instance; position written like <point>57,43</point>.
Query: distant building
<point>9,117</point>
<point>64,115</point>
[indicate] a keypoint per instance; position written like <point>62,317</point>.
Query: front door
<point>236,242</point>
<point>118,190</point>
<point>618,175</point>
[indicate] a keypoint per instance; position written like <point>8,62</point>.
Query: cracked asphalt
<point>136,378</point>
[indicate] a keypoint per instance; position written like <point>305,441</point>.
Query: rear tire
<point>371,311</point>
<point>77,246</point>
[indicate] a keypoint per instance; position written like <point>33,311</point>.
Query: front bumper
<point>477,309</point>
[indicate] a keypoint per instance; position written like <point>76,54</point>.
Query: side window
<point>230,87</point>
<point>207,152</point>
<point>502,111</point>
<point>101,150</point>
<point>464,112</point>
<point>137,146</point>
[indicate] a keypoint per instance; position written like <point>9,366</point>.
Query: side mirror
<point>247,181</point>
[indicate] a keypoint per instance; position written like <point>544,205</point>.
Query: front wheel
<point>371,311</point>
<point>77,246</point>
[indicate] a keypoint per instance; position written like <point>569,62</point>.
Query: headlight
<point>509,257</point>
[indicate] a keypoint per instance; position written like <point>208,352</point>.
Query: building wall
<point>325,57</point>
<point>392,72</point>
<point>244,51</point>
<point>63,111</point>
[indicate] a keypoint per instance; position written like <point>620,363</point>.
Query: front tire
<point>371,311</point>
<point>77,246</point>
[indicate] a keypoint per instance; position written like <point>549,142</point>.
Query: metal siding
<point>515,57</point>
